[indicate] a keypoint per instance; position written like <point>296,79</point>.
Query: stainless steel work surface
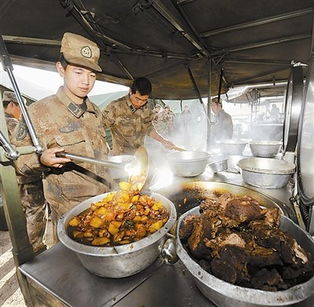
<point>59,271</point>
<point>170,286</point>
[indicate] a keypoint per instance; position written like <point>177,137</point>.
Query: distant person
<point>130,119</point>
<point>186,122</point>
<point>69,121</point>
<point>222,128</point>
<point>30,187</point>
<point>274,113</point>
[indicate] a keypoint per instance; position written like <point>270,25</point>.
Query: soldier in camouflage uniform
<point>69,121</point>
<point>31,187</point>
<point>130,119</point>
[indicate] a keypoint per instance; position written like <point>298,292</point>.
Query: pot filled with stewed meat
<point>120,233</point>
<point>242,253</point>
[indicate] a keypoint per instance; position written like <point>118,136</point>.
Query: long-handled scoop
<point>137,169</point>
<point>79,158</point>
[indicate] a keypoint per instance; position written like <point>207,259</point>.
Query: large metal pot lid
<point>293,104</point>
<point>305,156</point>
<point>267,166</point>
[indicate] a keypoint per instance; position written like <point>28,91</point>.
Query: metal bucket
<point>222,293</point>
<point>118,261</point>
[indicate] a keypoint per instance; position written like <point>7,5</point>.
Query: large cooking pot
<point>222,293</point>
<point>232,147</point>
<point>193,163</point>
<point>266,149</point>
<point>188,163</point>
<point>118,261</point>
<point>188,195</point>
<point>266,172</point>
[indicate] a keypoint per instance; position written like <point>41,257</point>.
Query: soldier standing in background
<point>69,121</point>
<point>130,119</point>
<point>30,187</point>
<point>222,129</point>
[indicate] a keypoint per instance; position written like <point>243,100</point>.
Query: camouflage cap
<point>80,51</point>
<point>9,96</point>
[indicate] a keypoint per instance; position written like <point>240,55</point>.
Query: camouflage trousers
<point>33,202</point>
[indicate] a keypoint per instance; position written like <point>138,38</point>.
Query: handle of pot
<point>168,250</point>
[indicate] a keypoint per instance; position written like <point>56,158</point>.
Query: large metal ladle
<point>137,169</point>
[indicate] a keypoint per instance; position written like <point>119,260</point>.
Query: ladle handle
<point>110,164</point>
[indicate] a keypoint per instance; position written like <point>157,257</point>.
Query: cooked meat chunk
<point>187,226</point>
<point>230,264</point>
<point>196,244</point>
<point>271,216</point>
<point>261,257</point>
<point>267,279</point>
<point>225,238</point>
<point>210,205</point>
<point>223,270</point>
<point>242,210</point>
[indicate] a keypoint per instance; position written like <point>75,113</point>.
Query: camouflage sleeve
<point>150,125</point>
<point>109,115</point>
<point>26,164</point>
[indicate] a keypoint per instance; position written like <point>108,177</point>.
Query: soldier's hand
<point>48,158</point>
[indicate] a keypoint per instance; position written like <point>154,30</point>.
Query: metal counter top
<point>59,272</point>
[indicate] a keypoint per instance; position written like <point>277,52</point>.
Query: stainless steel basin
<point>117,261</point>
<point>222,293</point>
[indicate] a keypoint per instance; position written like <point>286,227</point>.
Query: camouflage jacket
<point>79,130</point>
<point>128,125</point>
<point>12,122</point>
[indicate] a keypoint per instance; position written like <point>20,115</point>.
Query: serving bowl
<point>232,147</point>
<point>266,149</point>
<point>266,172</point>
<point>188,163</point>
<point>222,293</point>
<point>117,261</point>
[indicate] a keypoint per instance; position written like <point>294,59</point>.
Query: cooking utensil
<point>232,147</point>
<point>190,194</point>
<point>188,163</point>
<point>218,163</point>
<point>120,173</point>
<point>222,293</point>
<point>233,163</point>
<point>266,149</point>
<point>137,169</point>
<point>118,261</point>
<point>179,148</point>
<point>266,172</point>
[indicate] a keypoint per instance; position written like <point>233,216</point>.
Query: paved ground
<point>10,294</point>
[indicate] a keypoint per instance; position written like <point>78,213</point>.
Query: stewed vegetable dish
<point>120,218</point>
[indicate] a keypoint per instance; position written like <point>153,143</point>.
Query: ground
<point>10,294</point>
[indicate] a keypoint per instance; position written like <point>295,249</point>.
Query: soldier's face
<point>78,81</point>
<point>138,100</point>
